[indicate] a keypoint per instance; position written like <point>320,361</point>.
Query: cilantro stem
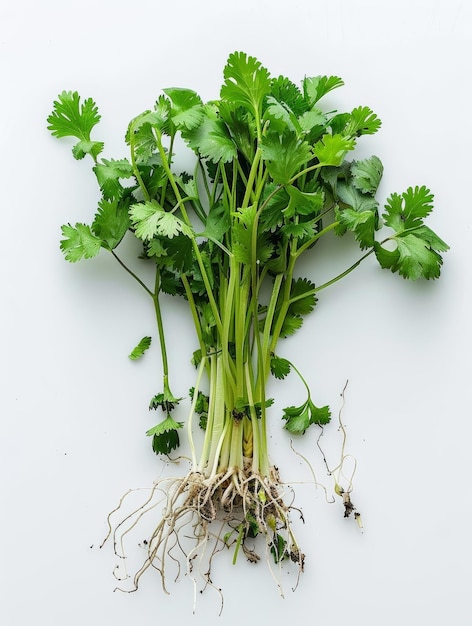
<point>131,273</point>
<point>160,329</point>
<point>339,276</point>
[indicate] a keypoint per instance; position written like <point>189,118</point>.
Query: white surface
<point>73,408</point>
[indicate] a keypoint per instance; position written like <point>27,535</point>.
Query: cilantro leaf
<point>300,230</point>
<point>111,222</point>
<point>211,139</point>
<point>79,242</point>
<point>316,87</point>
<point>407,210</point>
<point>165,436</point>
<point>179,249</point>
<point>242,229</point>
<point>331,149</point>
<point>367,174</point>
<point>302,297</point>
<point>281,111</point>
<point>417,252</point>
<point>284,155</point>
<point>279,367</point>
<point>303,202</point>
<point>413,258</point>
<point>299,418</point>
<point>186,110</point>
<point>363,121</point>
<point>290,325</point>
<point>362,223</point>
<point>150,219</point>
<point>71,118</point>
<point>140,348</point>
<point>109,173</point>
<point>247,82</point>
<point>284,90</point>
<point>87,147</point>
<point>278,549</point>
<point>359,216</point>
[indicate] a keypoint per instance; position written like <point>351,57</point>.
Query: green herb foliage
<point>273,175</point>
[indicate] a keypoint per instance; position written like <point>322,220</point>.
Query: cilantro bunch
<point>272,176</point>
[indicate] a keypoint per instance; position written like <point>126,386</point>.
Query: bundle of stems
<point>271,179</point>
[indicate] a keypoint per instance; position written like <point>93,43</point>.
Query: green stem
<point>336,278</point>
<point>131,273</point>
<point>160,329</point>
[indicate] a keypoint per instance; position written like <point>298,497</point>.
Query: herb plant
<point>271,179</point>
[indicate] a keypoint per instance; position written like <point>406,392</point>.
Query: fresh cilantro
<point>284,155</point>
<point>210,138</point>
<point>79,242</point>
<point>165,435</point>
<point>318,86</point>
<point>247,82</point>
<point>111,221</point>
<point>270,180</point>
<point>367,174</point>
<point>150,219</point>
<point>140,348</point>
<point>279,367</point>
<point>71,118</point>
<point>418,248</point>
<point>299,418</point>
<point>109,173</point>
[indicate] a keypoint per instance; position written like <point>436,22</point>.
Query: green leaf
<point>186,110</point>
<point>367,174</point>
<point>302,297</point>
<point>417,252</point>
<point>281,111</point>
<point>316,87</point>
<point>111,221</point>
<point>363,122</point>
<point>291,324</point>
<point>218,222</point>
<point>300,230</point>
<point>87,147</point>
<point>150,219</point>
<point>407,210</point>
<point>279,367</point>
<point>303,202</point>
<point>241,127</point>
<point>313,124</point>
<point>284,155</point>
<point>79,242</point>
<point>413,258</point>
<point>140,349</point>
<point>211,138</point>
<point>165,436</point>
<point>109,173</point>
<point>360,216</point>
<point>284,90</point>
<point>180,251</point>
<point>241,233</point>
<point>272,214</point>
<point>362,223</point>
<point>278,548</point>
<point>299,418</point>
<point>247,82</point>
<point>71,118</point>
<point>331,149</point>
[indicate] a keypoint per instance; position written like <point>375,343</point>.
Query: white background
<point>73,407</point>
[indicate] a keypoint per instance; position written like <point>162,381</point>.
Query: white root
<point>244,504</point>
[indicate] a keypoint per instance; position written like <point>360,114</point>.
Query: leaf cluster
<point>273,175</point>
